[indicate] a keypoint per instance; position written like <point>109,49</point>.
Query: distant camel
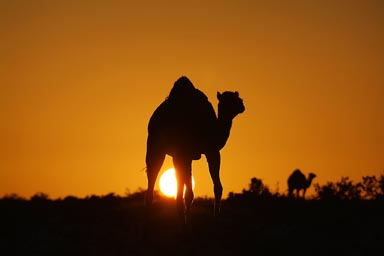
<point>185,126</point>
<point>297,181</point>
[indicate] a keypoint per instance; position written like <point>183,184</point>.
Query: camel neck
<point>224,129</point>
<point>309,181</point>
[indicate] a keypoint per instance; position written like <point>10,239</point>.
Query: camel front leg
<point>213,159</point>
<point>188,196</point>
<point>304,192</point>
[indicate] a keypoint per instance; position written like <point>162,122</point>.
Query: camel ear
<point>237,93</point>
<point>218,95</point>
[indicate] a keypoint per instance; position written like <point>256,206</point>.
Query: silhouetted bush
<point>344,189</point>
<point>40,197</point>
<point>12,197</point>
<point>137,196</point>
<point>381,187</point>
<point>369,188</point>
<point>70,199</point>
<point>372,187</point>
<point>256,190</point>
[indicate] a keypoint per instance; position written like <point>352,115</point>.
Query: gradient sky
<point>79,81</point>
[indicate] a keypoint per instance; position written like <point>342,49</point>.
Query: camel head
<point>311,176</point>
<point>230,104</point>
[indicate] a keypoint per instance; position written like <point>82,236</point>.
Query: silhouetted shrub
<point>348,190</point>
<point>110,197</point>
<point>13,197</point>
<point>373,188</point>
<point>369,188</point>
<point>380,195</point>
<point>70,199</point>
<point>137,196</point>
<point>344,189</point>
<point>257,190</point>
<point>327,191</point>
<point>40,197</point>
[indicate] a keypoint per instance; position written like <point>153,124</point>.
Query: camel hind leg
<point>290,192</point>
<point>298,192</point>
<point>183,169</point>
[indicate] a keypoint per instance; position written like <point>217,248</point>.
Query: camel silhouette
<point>185,126</point>
<point>298,182</point>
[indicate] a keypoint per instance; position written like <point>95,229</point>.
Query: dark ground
<point>116,226</point>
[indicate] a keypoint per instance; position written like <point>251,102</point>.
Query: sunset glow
<point>168,183</point>
<point>79,81</point>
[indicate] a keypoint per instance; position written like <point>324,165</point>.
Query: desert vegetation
<point>368,188</point>
<point>344,216</point>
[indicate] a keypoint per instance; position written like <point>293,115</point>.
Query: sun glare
<point>168,183</point>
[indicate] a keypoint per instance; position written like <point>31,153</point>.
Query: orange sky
<point>80,79</point>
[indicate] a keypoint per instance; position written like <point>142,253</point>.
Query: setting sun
<point>168,184</point>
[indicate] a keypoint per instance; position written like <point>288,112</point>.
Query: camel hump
<point>297,177</point>
<point>184,91</point>
<point>185,106</point>
<point>297,172</point>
